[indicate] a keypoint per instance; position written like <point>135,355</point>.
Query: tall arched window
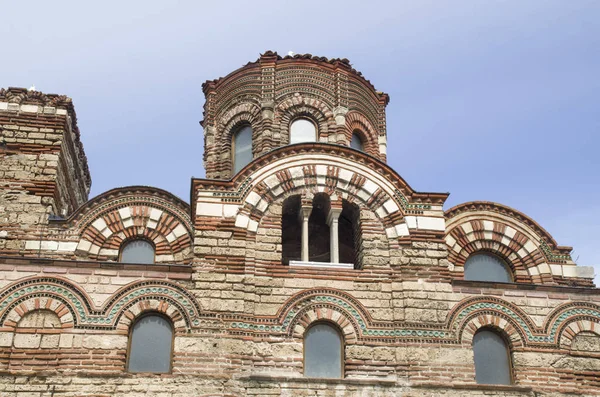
<point>356,142</point>
<point>349,235</point>
<point>242,148</point>
<point>137,251</point>
<point>150,345</point>
<point>482,266</point>
<point>318,229</point>
<point>323,352</point>
<point>291,230</point>
<point>302,130</point>
<point>492,358</point>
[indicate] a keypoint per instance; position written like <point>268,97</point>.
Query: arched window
<point>291,230</point>
<point>492,358</point>
<point>349,235</point>
<point>323,352</point>
<point>137,251</point>
<point>242,148</point>
<point>302,130</point>
<point>356,142</point>
<point>482,266</point>
<point>150,345</point>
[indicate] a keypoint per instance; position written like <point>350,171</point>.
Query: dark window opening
<point>349,234</point>
<point>318,230</point>
<point>291,230</point>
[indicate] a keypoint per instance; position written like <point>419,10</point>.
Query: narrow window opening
<point>291,233</point>
<point>323,352</point>
<point>492,358</point>
<point>242,148</point>
<point>150,345</point>
<point>318,230</point>
<point>137,251</point>
<point>349,234</point>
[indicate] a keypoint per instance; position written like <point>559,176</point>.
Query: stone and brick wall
<point>269,93</point>
<point>407,316</point>
<point>43,170</point>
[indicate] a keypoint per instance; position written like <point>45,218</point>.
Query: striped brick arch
<point>327,305</point>
<point>370,138</point>
<point>322,174</point>
<point>41,303</point>
<point>297,106</point>
<point>135,213</point>
<point>492,321</point>
<point>490,227</point>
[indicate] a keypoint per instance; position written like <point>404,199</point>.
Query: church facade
<point>303,265</point>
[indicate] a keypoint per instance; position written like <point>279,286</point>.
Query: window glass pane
<point>243,149</point>
<point>302,130</point>
<point>491,359</point>
<point>486,267</point>
<point>356,142</point>
<point>138,251</point>
<point>323,352</point>
<point>150,348</point>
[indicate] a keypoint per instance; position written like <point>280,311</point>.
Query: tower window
<point>356,142</point>
<point>151,345</point>
<point>318,229</point>
<point>242,148</point>
<point>487,267</point>
<point>137,251</point>
<point>291,230</point>
<point>349,234</point>
<point>323,352</point>
<point>302,130</point>
<point>492,358</point>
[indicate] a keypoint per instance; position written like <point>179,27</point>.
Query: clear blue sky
<point>490,100</point>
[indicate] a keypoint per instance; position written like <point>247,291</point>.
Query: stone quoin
<point>303,265</point>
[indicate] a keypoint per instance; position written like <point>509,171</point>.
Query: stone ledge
<point>322,265</point>
<point>467,386</point>
<point>64,264</point>
<point>301,379</point>
<point>524,287</point>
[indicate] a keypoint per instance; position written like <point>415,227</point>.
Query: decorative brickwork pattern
<point>526,247</point>
<point>239,310</point>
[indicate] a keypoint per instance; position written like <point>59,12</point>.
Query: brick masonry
<point>407,315</point>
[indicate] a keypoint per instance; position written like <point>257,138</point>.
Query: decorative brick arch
<point>151,295</point>
<point>239,115</point>
<point>336,317</point>
<point>298,106</point>
<point>471,314</point>
<point>308,175</point>
<point>147,306</point>
<point>575,328</point>
<point>131,213</point>
<point>492,321</point>
<point>491,227</point>
<point>565,321</point>
<point>370,138</point>
<point>61,296</point>
<point>74,307</point>
<point>324,304</point>
<point>34,304</point>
